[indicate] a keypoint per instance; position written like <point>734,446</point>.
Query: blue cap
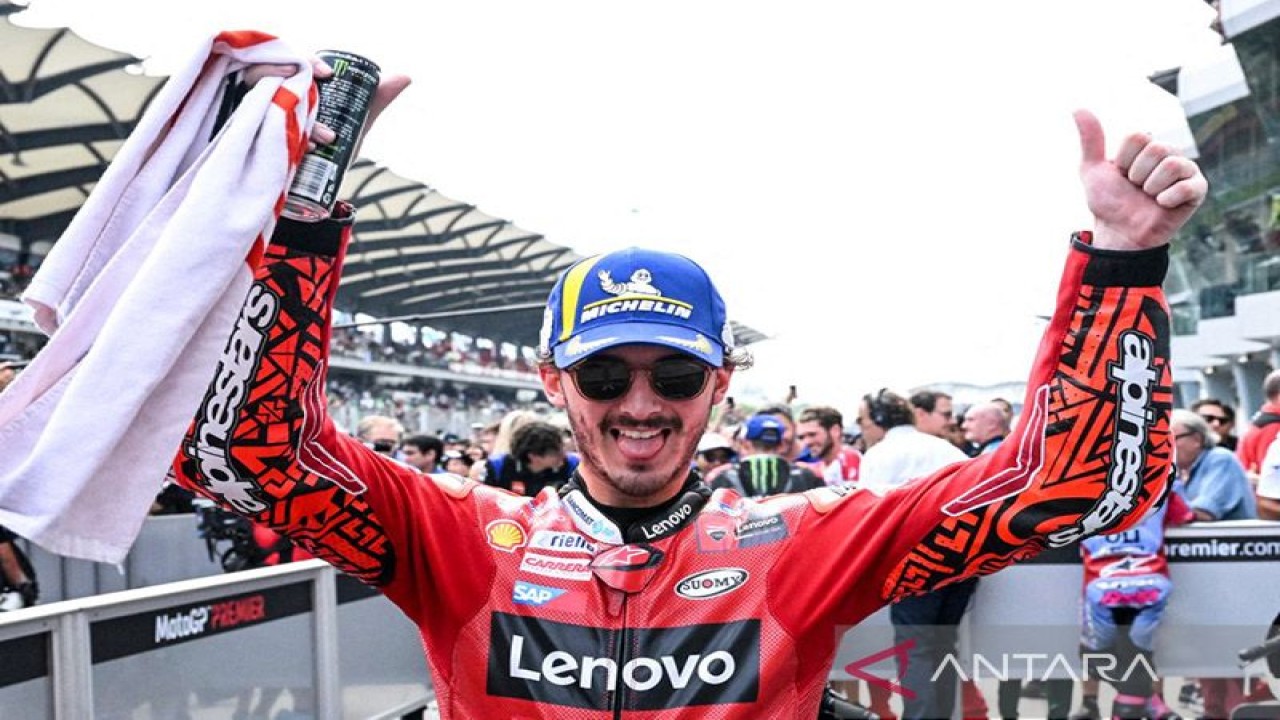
<point>767,429</point>
<point>635,296</point>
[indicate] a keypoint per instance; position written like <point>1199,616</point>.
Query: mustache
<point>673,423</point>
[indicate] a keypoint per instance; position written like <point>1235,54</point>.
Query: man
<point>763,470</point>
<point>715,452</point>
<point>1126,590</point>
<point>821,430</point>
<point>985,426</point>
<point>1221,418</point>
<point>898,453</point>
<point>18,586</point>
<point>634,590</point>
<point>380,434</point>
<point>424,452</point>
<point>1215,485</point>
<point>1264,426</point>
<point>790,448</point>
<point>933,412</point>
<point>1209,477</point>
<point>537,459</point>
<point>1268,490</point>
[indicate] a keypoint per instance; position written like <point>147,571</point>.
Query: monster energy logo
<point>763,474</point>
<point>340,66</point>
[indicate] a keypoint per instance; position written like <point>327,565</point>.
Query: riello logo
<point>656,668</point>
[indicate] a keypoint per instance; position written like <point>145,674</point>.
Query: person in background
<point>1263,428</point>
<point>821,430</point>
<point>1215,485</point>
<point>1210,478</point>
<point>457,463</point>
<point>715,452</point>
<point>1126,590</point>
<point>985,426</point>
<point>1221,418</point>
<point>1268,490</point>
<point>789,448</point>
<point>763,470</point>
<point>8,372</point>
<point>18,585</point>
<point>380,434</point>
<point>933,411</point>
<point>423,452</point>
<point>898,453</point>
<point>537,460</point>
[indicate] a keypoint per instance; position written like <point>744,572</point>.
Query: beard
<point>647,482</point>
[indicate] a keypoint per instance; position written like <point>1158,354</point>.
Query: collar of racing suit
<point>649,524</point>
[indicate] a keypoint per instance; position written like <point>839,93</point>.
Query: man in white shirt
<point>898,453</point>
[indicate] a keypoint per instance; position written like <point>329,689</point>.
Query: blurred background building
<point>1224,283</point>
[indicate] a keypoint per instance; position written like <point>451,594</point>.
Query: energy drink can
<point>344,106</point>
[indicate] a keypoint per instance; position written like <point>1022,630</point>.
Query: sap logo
<point>529,594</point>
<point>711,583</point>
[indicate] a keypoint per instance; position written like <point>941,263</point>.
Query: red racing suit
<point>717,607</point>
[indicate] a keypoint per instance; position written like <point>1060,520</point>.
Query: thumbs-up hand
<point>1140,197</point>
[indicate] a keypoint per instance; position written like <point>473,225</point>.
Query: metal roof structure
<point>67,105</point>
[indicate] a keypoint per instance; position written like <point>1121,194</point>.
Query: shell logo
<point>505,535</point>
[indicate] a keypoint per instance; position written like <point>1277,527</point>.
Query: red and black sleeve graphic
<point>1091,453</point>
<point>261,443</point>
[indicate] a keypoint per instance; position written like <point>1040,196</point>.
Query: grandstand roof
<point>67,105</point>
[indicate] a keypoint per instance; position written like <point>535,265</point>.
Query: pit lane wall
<point>1024,621</point>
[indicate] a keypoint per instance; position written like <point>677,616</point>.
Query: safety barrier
<point>299,637</point>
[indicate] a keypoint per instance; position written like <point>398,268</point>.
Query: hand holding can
<point>345,99</point>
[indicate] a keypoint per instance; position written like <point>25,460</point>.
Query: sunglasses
<point>609,378</point>
<point>1214,418</point>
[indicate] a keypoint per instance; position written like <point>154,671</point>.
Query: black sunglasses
<point>609,378</point>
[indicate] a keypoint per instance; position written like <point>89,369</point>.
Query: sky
<point>885,189</point>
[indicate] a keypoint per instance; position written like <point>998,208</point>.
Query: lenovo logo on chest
<point>580,666</point>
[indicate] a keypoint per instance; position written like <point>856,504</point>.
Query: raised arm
<point>1091,452</point>
<point>262,442</point>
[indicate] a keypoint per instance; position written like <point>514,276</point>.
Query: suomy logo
<point>711,583</point>
<point>1134,375</point>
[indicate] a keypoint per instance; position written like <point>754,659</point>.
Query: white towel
<point>138,297</point>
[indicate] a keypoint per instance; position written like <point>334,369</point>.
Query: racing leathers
<point>711,606</point>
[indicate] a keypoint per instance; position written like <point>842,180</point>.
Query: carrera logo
<point>711,583</point>
<point>505,535</point>
<point>558,567</point>
<point>660,668</point>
